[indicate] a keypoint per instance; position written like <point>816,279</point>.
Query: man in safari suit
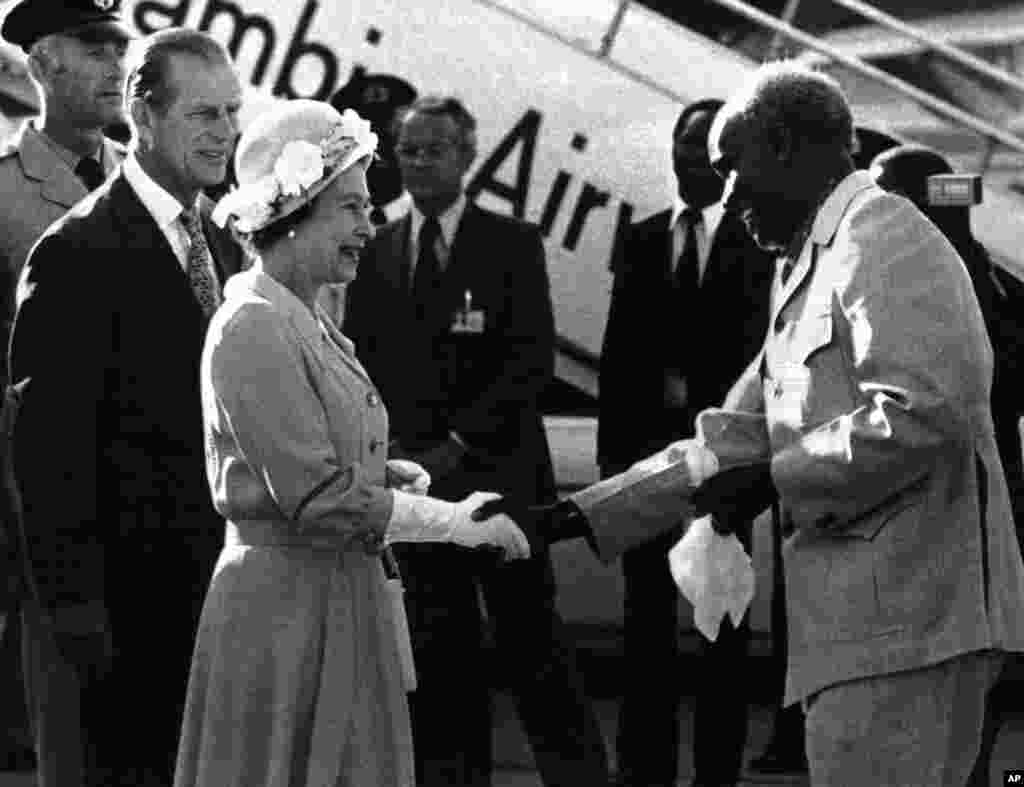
<point>868,408</point>
<point>870,405</point>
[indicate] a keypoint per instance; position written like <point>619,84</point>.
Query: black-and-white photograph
<point>511,393</point>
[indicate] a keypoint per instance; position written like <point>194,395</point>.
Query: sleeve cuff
<point>401,508</point>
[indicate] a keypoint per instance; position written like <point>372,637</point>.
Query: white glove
<point>700,460</point>
<point>407,476</point>
<point>416,519</point>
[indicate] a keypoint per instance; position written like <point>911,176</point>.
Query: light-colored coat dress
<point>295,679</point>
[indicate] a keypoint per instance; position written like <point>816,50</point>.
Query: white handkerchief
<point>714,573</point>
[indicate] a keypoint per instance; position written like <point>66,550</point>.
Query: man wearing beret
<point>75,54</point>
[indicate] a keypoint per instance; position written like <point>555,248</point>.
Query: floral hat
<point>287,156</point>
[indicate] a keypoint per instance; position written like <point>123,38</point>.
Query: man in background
<point>461,360</point>
<point>76,62</point>
<point>692,271</point>
<point>120,529</point>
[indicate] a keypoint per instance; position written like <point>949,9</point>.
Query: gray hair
<point>148,75</point>
<point>787,98</point>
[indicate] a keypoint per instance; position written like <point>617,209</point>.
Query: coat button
<point>374,445</point>
<point>372,399</point>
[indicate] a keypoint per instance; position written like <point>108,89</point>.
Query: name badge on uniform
<point>467,319</point>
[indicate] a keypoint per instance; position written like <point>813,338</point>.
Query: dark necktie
<point>427,276</point>
<point>200,264</point>
<point>687,272</point>
<point>90,172</point>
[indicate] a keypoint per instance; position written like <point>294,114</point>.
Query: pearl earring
<point>291,234</point>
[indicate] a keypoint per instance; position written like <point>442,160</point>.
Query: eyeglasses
<point>432,152</point>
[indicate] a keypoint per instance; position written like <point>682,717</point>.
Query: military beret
<point>30,20</point>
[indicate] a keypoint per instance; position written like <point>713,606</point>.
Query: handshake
<point>731,495</point>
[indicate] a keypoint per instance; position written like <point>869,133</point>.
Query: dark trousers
<point>451,711</point>
<point>14,730</point>
<point>648,736</point>
<point>107,705</point>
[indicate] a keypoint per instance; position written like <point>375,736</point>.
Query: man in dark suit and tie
<point>120,531</point>
<point>692,270</point>
<point>451,315</point>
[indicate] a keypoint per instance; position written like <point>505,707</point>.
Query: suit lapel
<point>399,246</point>
<point>140,233</point>
<point>801,272</point>
<point>228,257</point>
<point>58,183</point>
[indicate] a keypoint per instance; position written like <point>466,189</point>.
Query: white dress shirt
<point>165,209</point>
<point>449,221</point>
<point>706,230</point>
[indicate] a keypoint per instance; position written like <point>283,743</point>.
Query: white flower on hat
<point>300,165</point>
<point>352,134</point>
<point>251,206</point>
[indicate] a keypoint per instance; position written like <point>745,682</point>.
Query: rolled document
<point>714,573</point>
<point>649,498</point>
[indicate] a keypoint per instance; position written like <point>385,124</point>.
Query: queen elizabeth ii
<point>296,677</point>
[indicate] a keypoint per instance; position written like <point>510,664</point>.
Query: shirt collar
<point>66,155</point>
<point>161,205</point>
<point>832,210</point>
<point>712,215</point>
<point>449,220</point>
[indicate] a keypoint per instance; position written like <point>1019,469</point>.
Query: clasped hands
<point>732,496</point>
<point>464,528</point>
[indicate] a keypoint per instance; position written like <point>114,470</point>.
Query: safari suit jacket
<point>870,400</point>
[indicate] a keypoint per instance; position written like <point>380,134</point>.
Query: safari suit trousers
<point>918,728</point>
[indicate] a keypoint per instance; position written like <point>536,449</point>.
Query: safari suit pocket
<point>793,383</point>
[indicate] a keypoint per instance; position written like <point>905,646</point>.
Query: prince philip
<point>121,535</point>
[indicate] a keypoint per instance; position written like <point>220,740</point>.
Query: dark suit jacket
<point>109,441</point>
<point>483,386</point>
<point>708,339</point>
